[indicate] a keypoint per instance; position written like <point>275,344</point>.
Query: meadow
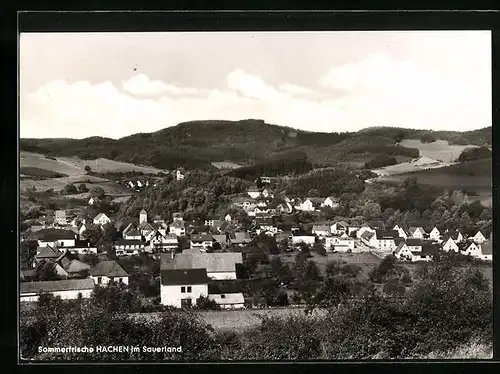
<point>439,150</point>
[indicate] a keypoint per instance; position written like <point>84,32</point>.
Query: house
<point>385,239</point>
<point>146,229</point>
<point>309,204</point>
<point>416,232</point>
<point>178,217</point>
<point>131,184</point>
<point>479,238</point>
<point>55,237</point>
<point>66,289</point>
<point>486,250</point>
<point>403,253</point>
<point>92,200</point>
<point>414,245</point>
<point>27,275</point>
<point>79,246</point>
<point>239,238</point>
<point>244,202</point>
<point>182,287</point>
<point>218,266</point>
<point>303,237</point>
<point>108,271</point>
<point>166,242</point>
<point>211,220</point>
<point>124,247</point>
<point>339,244</point>
<point>101,219</point>
<point>321,230</point>
<point>46,253</point>
<point>177,228</point>
<point>179,176</point>
<point>434,234</point>
<point>450,245</point>
<point>74,268</point>
<point>229,300</point>
<point>60,217</point>
<point>362,230</point>
<point>455,235</point>
<point>338,228</point>
<point>228,218</point>
<point>253,192</point>
<point>470,249</point>
<point>130,227</point>
<point>369,238</point>
<point>201,241</point>
<point>331,202</point>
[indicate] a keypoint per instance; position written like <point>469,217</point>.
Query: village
<point>213,249</point>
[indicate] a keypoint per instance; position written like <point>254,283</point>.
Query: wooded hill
<point>198,143</point>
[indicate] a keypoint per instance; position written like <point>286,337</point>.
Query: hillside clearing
<point>226,165</point>
<point>439,150</point>
<point>74,166</point>
<point>422,163</point>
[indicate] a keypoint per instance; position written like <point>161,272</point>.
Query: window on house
<point>222,296</point>
<point>188,288</point>
<point>120,280</point>
<point>183,289</point>
<point>99,280</point>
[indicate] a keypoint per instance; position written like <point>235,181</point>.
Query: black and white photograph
<point>224,196</point>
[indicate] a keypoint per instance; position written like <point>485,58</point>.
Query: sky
<point>77,85</point>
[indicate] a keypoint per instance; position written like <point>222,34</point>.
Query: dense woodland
<point>196,144</point>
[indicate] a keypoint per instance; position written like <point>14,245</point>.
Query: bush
<point>205,303</point>
<point>472,154</point>
<point>380,161</point>
<point>427,138</point>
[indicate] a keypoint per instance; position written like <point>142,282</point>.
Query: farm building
<point>107,271</point>
<point>303,237</point>
<point>101,219</point>
<point>66,289</point>
<point>217,265</point>
<point>228,300</point>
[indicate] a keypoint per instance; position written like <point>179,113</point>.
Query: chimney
<point>172,253</point>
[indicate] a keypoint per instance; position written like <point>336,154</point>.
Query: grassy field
<point>365,260</point>
<point>225,165</point>
<point>75,166</point>
<point>439,150</point>
<point>423,163</point>
<point>29,171</point>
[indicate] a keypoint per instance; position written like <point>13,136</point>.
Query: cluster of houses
<point>415,244</point>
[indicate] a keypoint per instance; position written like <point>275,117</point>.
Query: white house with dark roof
<point>229,300</point>
<point>66,289</point>
<point>253,192</point>
<point>132,234</point>
<point>183,287</point>
<point>338,244</point>
<point>414,245</point>
<point>303,237</point>
<point>60,217</point>
<point>177,228</point>
<point>124,247</point>
<point>362,230</point>
<point>369,238</point>
<point>101,219</point>
<point>455,235</point>
<point>486,250</point>
<point>143,216</point>
<point>401,232</point>
<point>470,249</point>
<point>403,253</point>
<point>107,271</point>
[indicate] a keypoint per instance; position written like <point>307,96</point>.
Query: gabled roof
<point>212,262</point>
<point>341,223</point>
<point>99,216</point>
<point>76,266</point>
<point>315,200</point>
<point>219,238</point>
<point>430,249</point>
<point>253,189</point>
<point>201,237</point>
<point>108,268</point>
<point>367,235</point>
<point>59,285</point>
<point>451,234</point>
<point>414,242</point>
<point>143,211</point>
<point>146,226</point>
<point>302,233</point>
<point>54,234</point>
<point>320,228</point>
<point>400,247</point>
<point>178,225</point>
<point>178,215</point>
<point>387,234</point>
<point>240,237</point>
<point>133,232</point>
<point>186,277</point>
<point>48,252</point>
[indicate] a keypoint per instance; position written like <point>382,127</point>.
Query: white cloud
<point>141,85</point>
<point>376,91</point>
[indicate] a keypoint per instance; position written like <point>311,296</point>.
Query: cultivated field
<point>422,163</point>
<point>73,166</point>
<point>438,150</point>
<point>225,165</point>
